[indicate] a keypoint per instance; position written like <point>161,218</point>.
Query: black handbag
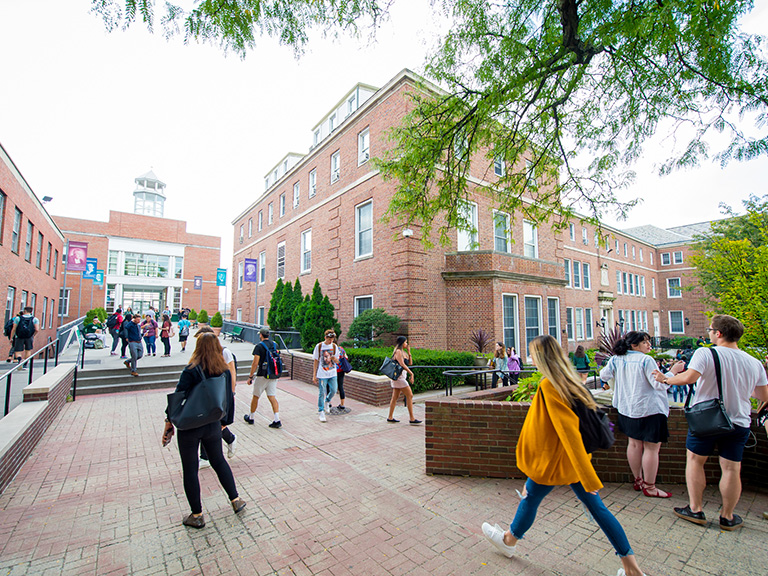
<point>709,418</point>
<point>391,368</point>
<point>594,425</point>
<point>344,364</point>
<point>204,403</point>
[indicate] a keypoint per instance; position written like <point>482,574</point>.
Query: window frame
<point>260,221</point>
<point>499,166</point>
<point>306,252</point>
<point>312,183</point>
<point>589,333</point>
<point>577,274</point>
<point>240,275</point>
<point>262,268</point>
<point>507,238</point>
<point>356,304</point>
<point>569,331</point>
<point>668,259</point>
<point>567,268</point>
<point>18,217</point>
<point>675,259</point>
<point>28,241</point>
<point>539,326</point>
<point>530,226</point>
<point>512,329</point>
<point>250,227</point>
<point>335,166</point>
<point>280,260</point>
<point>682,321</point>
<point>296,195</point>
<point>281,205</point>
<point>363,146</point>
<point>270,213</point>
<point>553,330</point>
<point>360,231</point>
<point>675,291</point>
<point>586,279</point>
<point>572,232</point>
<point>467,240</point>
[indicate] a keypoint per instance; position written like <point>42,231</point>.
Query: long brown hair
<point>554,365</point>
<point>209,355</point>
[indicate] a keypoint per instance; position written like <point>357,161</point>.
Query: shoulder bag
<point>344,364</point>
<point>595,427</point>
<point>391,368</point>
<point>204,403</point>
<point>708,418</point>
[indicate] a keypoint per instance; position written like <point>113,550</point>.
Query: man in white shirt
<point>742,376</point>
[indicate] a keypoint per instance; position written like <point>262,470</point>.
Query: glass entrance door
<point>139,300</point>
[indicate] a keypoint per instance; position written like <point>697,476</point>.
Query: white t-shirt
<point>636,393</point>
<point>326,367</point>
<point>740,373</point>
<point>228,356</point>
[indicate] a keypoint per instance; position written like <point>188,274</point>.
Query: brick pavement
<point>350,497</point>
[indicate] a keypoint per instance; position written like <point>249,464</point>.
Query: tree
<point>299,312</point>
<point>274,304</point>
<point>319,316</point>
<point>285,308</point>
<point>537,85</point>
<point>732,268</point>
<point>372,324</point>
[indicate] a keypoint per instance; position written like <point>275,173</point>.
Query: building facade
<point>321,218</point>
<point>148,260</point>
<point>31,248</point>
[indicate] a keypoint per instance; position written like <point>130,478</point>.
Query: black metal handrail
<point>31,361</point>
<point>467,371</point>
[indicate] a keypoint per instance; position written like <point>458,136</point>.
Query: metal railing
<point>29,366</point>
<point>480,383</point>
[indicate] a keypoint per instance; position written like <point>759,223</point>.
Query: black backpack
<point>26,327</point>
<point>274,364</point>
<point>112,321</point>
<point>8,328</point>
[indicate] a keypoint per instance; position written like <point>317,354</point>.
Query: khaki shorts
<point>260,384</point>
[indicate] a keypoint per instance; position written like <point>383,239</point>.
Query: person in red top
<point>551,453</point>
<point>114,329</point>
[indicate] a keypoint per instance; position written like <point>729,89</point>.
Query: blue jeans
<point>526,514</point>
<point>150,341</point>
<point>326,390</point>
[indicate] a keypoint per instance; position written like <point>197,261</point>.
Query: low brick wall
<point>476,435</point>
<point>22,428</point>
<point>369,388</point>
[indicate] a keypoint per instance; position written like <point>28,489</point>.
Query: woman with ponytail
<point>643,408</point>
<point>551,453</point>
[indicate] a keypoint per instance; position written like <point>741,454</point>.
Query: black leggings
<point>124,345</point>
<point>166,345</point>
<point>340,383</point>
<point>226,435</point>
<point>210,437</point>
<point>495,380</point>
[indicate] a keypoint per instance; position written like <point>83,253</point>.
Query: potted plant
<point>202,317</point>
<point>480,340</point>
<point>216,323</point>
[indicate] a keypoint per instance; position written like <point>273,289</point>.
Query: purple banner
<point>197,284</point>
<point>77,258</point>
<point>251,270</point>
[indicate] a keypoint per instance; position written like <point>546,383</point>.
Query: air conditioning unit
<point>365,155</point>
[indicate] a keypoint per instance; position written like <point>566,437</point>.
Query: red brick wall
<point>476,435</point>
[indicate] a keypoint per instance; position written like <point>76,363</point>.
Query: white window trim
<point>557,317</point>
<point>516,326</point>
<point>281,205</point>
<point>586,273</point>
<point>277,260</point>
<point>296,195</point>
<point>240,276</point>
<point>335,172</point>
<point>472,234</point>
<point>262,268</point>
<point>507,230</point>
<point>669,258</point>
<point>304,252</point>
<point>498,162</point>
<point>535,233</point>
<point>312,185</point>
<point>569,312</point>
<point>589,333</point>
<point>363,150</point>
<point>679,288</point>
<point>538,298</point>
<point>356,303</point>
<point>568,273</point>
<point>674,257</point>
<point>358,254</point>
<point>682,321</point>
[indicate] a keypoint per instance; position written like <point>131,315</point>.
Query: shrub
<point>284,309</point>
<point>102,314</point>
<point>373,323</point>
<point>274,304</point>
<point>202,317</point>
<point>526,388</point>
<point>318,317</point>
<point>192,314</point>
<point>216,320</point>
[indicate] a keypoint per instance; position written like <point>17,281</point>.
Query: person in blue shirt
<point>133,335</point>
<point>184,325</point>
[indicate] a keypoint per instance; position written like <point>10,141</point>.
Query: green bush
<point>192,314</point>
<point>373,323</point>
<point>274,305</point>
<point>99,313</point>
<point>216,320</point>
<point>202,317</point>
<point>526,388</point>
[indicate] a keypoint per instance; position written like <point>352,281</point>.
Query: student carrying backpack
<point>8,327</point>
<point>26,326</point>
<point>273,363</point>
<point>112,321</point>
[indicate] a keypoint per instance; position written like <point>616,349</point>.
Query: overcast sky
<point>83,112</point>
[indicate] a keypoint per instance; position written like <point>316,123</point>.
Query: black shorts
<point>182,338</point>
<point>651,428</point>
<point>730,446</point>
<point>23,344</point>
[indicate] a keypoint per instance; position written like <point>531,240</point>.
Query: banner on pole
<point>251,270</point>
<point>221,277</point>
<point>98,278</point>
<point>90,268</point>
<point>198,283</point>
<point>77,256</point>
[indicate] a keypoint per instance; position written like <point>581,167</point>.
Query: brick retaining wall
<point>476,435</point>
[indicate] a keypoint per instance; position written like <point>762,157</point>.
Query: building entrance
<point>139,300</point>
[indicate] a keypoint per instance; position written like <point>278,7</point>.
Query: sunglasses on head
<point>330,335</point>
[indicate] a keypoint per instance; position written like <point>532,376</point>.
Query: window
<point>618,282</point>
<point>33,302</point>
<point>499,166</point>
<point>645,320</point>
<point>55,262</point>
<point>642,286</point>
<point>10,299</point>
<point>650,256</point>
<point>676,323</point>
<point>45,311</point>
<point>631,285</point>
<point>48,259</point>
<point>250,227</point>
<point>509,319</point>
<point>281,260</point>
<point>306,250</point>
<point>2,216</point>
<point>332,123</point>
<point>262,267</point>
<point>569,323</point>
<point>64,301</point>
<point>553,317</point>
<point>653,287</point>
<point>673,288</point>
<point>281,204</point>
<point>270,213</point>
<point>501,231</point>
<point>316,137</point>
<point>312,182</point>
<point>641,253</point>
<point>530,240</point>
<point>364,230</point>
<point>588,323</point>
<point>665,261</point>
<point>178,268</point>
<point>296,195</point>
<point>579,317</point>
<point>50,315</point>
<point>616,245</point>
<point>530,175</point>
<point>363,147</point>
<point>363,303</point>
<point>626,253</point>
<point>239,315</point>
<point>597,240</point>
<point>633,320</point>
<point>633,252</point>
<point>28,242</point>
<point>16,232</point>
<point>585,279</point>
<point>261,319</point>
<point>677,257</point>
<point>460,146</point>
<point>111,295</point>
<point>532,319</point>
<point>637,285</point>
<point>584,237</point>
<point>467,232</point>
<point>576,274</point>
<point>351,104</point>
<point>335,166</point>
<point>572,232</point>
<point>146,265</point>
<point>24,297</point>
<point>260,223</point>
<point>567,266</point>
<point>240,276</point>
<point>624,285</point>
<point>39,253</point>
<point>242,232</point>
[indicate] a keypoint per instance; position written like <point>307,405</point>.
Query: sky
<point>83,112</point>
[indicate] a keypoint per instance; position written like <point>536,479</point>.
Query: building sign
<point>90,268</point>
<point>98,277</point>
<point>198,283</point>
<point>221,277</point>
<point>251,270</point>
<point>77,256</point>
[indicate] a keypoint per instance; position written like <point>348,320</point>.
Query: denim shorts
<point>729,446</point>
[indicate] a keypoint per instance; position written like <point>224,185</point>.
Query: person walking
<point>326,358</point>
<point>581,362</point>
<point>402,355</point>
<point>514,365</point>
<point>207,357</point>
<point>114,323</point>
<point>133,336</point>
<point>166,331</point>
<point>499,362</point>
<point>258,377</point>
<point>551,453</point>
<point>643,408</point>
<point>340,409</point>
<point>149,331</point>
<point>184,325</point>
<point>127,320</point>
<point>25,326</point>
<point>8,330</point>
<point>742,376</point>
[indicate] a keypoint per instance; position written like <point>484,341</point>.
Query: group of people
<point>507,366</point>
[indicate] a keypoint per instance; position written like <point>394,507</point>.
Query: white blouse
<point>636,393</point>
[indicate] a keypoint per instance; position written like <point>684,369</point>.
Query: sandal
<point>658,494</point>
<point>638,484</point>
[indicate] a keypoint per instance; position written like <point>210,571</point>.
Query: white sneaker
<point>231,448</point>
<point>495,536</point>
<point>327,407</point>
<point>322,417</point>
<point>622,573</point>
<point>204,464</point>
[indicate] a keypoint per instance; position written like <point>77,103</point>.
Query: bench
<point>236,334</point>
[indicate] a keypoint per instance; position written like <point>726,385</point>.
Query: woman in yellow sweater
<point>551,453</point>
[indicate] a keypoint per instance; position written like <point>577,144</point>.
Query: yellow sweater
<point>550,450</point>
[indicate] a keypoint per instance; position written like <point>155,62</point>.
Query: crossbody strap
<point>718,376</point>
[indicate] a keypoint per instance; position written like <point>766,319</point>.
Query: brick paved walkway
<point>99,496</point>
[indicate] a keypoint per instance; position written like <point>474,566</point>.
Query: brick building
<point>148,260</point>
<point>31,246</point>
<point>320,217</point>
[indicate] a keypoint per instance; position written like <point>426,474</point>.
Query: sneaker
<point>730,525</point>
<point>238,504</point>
<point>495,536</point>
<point>121,357</point>
<point>392,421</point>
<point>414,422</point>
<point>194,521</point>
<point>335,411</point>
<point>248,419</point>
<point>127,364</point>
<point>622,573</point>
<point>322,417</point>
<point>231,448</point>
<point>276,424</point>
<point>344,410</point>
<point>113,353</point>
<point>204,464</point>
<point>327,408</point>
<point>134,373</point>
<point>687,514</point>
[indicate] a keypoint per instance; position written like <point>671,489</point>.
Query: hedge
<point>369,360</point>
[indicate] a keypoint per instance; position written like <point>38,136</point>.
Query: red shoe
<point>658,493</point>
<point>638,484</point>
